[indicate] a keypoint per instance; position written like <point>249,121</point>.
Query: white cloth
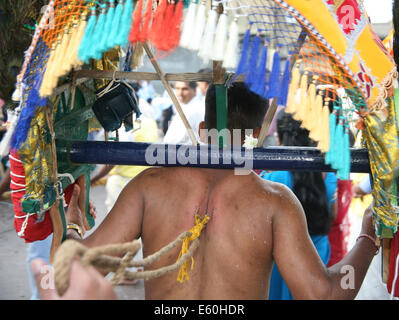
<point>177,132</point>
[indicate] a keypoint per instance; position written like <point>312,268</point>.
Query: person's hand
<point>84,283</point>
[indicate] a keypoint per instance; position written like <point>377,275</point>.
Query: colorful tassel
<point>86,41</point>
<point>332,127</point>
<point>274,80</point>
<point>164,40</point>
<point>252,62</point>
<point>199,27</point>
<point>310,116</point>
<point>285,82</point>
<point>176,26</point>
<point>316,132</point>
<point>145,29</point>
<point>292,91</point>
<point>134,35</point>
<point>301,109</point>
<point>111,40</point>
<point>339,141</point>
<point>259,84</point>
<point>188,26</point>
<point>242,64</point>
<point>346,161</point>
<point>158,22</point>
<point>231,52</point>
<point>45,87</point>
<point>207,40</point>
<point>61,53</point>
<point>324,142</point>
<point>109,18</point>
<point>220,38</point>
<point>94,49</point>
<point>125,24</point>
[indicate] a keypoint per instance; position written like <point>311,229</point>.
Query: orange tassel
<point>146,22</point>
<point>176,26</point>
<point>135,32</point>
<point>164,40</point>
<point>157,22</point>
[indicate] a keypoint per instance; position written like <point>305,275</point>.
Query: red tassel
<point>164,40</point>
<point>146,22</point>
<point>134,35</point>
<point>176,26</point>
<point>157,22</point>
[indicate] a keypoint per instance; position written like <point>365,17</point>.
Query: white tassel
<point>6,141</point>
<point>231,54</point>
<point>220,38</point>
<point>209,34</point>
<point>188,26</point>
<point>195,41</point>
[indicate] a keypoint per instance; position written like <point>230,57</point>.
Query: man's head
<point>185,91</point>
<point>203,85</point>
<point>246,109</point>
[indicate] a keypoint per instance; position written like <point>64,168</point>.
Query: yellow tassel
<point>324,144</point>
<point>61,52</point>
<point>45,89</point>
<point>315,133</point>
<point>195,233</point>
<point>291,103</point>
<point>67,65</point>
<point>309,120</point>
<point>300,115</point>
<point>73,54</point>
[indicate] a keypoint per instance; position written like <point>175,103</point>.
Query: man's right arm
<point>299,263</point>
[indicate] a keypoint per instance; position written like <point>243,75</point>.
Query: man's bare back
<point>234,258</point>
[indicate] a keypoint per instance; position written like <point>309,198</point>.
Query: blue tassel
<point>285,83</point>
<point>259,85</point>
<point>347,156</point>
<point>339,135</point>
<point>242,64</point>
<point>115,25</point>
<point>125,24</point>
<point>84,44</point>
<point>107,27</point>
<point>331,151</point>
<point>274,80</point>
<point>253,61</point>
<point>95,43</point>
<point>33,102</point>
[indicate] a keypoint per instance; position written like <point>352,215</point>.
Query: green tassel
<point>339,146</point>
<point>115,25</point>
<point>125,25</point>
<point>347,155</point>
<point>84,44</point>
<point>95,43</point>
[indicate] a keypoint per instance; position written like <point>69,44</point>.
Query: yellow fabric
<point>359,47</point>
<point>195,233</point>
<point>148,132</point>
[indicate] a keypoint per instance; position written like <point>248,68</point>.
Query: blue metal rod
<point>206,156</point>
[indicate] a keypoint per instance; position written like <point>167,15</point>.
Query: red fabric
<point>34,230</point>
<point>392,265</point>
<point>340,227</point>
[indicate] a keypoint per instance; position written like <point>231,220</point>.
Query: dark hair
<point>192,84</point>
<point>309,187</point>
<point>205,70</point>
<point>246,109</point>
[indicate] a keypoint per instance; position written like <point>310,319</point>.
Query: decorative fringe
<point>293,88</point>
<point>220,38</point>
<point>138,54</point>
<point>315,133</point>
<point>188,26</point>
<point>231,55</point>
<point>301,109</point>
<point>72,58</point>
<point>252,62</point>
<point>134,35</point>
<point>163,43</point>
<point>109,20</point>
<point>125,23</point>
<point>86,41</point>
<point>146,22</point>
<point>62,68</point>
<point>242,64</point>
<point>176,26</point>
<point>207,40</point>
<point>115,25</point>
<point>259,84</point>
<point>199,27</point>
<point>285,82</point>
<point>94,49</point>
<point>332,127</point>
<point>324,142</point>
<point>274,80</point>
<point>158,22</point>
<point>310,116</point>
<point>46,87</point>
<point>339,144</point>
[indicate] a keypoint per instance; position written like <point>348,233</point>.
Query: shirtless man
<point>253,223</point>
